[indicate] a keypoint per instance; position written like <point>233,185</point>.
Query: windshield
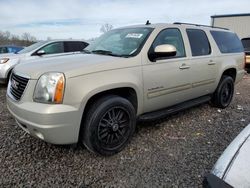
<point>120,42</point>
<point>32,47</point>
<point>246,44</point>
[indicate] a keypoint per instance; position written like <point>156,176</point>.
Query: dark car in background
<point>246,44</point>
<point>10,49</point>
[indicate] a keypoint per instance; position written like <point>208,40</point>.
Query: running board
<point>173,109</point>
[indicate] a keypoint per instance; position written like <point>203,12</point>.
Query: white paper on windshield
<point>134,35</point>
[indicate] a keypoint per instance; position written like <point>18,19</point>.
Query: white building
<point>239,23</point>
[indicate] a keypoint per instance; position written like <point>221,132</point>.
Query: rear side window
<point>227,42</point>
<point>74,46</point>
<point>199,43</point>
<point>246,44</point>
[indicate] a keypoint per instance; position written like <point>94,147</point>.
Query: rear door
<point>204,65</point>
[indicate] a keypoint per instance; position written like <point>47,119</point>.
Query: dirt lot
<point>173,152</point>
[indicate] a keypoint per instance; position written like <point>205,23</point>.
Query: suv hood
<point>72,65</point>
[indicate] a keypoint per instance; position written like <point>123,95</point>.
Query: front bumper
<point>56,124</point>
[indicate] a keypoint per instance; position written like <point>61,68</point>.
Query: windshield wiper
<point>106,52</point>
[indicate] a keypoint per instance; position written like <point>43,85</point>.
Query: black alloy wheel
<point>109,125</point>
<point>224,92</point>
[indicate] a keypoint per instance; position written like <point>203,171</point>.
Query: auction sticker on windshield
<point>134,35</point>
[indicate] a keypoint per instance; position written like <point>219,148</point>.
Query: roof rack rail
<point>180,23</point>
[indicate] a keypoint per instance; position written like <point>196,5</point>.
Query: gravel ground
<point>172,152</point>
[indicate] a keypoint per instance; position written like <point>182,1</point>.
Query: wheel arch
<point>231,71</point>
<point>127,92</point>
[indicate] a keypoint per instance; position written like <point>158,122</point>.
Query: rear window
<point>246,44</point>
<point>227,42</point>
<point>199,43</point>
<point>74,46</point>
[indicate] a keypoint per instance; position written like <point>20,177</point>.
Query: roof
<point>175,24</point>
<point>230,15</point>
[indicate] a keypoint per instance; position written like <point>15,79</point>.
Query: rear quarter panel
<point>233,60</point>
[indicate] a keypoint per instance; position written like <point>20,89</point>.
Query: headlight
<point>50,88</point>
<point>4,60</point>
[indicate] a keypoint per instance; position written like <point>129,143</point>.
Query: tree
<point>28,39</point>
<point>106,27</point>
<point>6,38</point>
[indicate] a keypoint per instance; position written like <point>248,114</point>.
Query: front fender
<point>80,89</point>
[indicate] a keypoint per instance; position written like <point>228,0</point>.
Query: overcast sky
<point>82,19</point>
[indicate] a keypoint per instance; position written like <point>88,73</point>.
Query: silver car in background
<point>233,167</point>
<point>35,51</point>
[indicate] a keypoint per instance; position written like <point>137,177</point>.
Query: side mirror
<point>161,51</point>
<point>40,52</point>
<point>165,50</point>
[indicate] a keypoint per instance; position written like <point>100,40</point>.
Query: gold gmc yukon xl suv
<point>137,72</point>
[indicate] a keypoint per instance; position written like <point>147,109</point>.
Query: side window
<point>74,46</point>
<point>199,42</point>
<point>173,37</point>
<point>227,42</point>
<point>53,48</point>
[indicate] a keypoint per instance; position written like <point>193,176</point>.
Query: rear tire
<point>109,125</point>
<point>223,95</point>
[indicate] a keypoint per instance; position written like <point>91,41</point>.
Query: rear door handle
<point>211,62</point>
<point>184,66</point>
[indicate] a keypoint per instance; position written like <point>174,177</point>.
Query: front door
<point>167,80</point>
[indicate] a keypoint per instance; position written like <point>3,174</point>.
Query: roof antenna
<point>148,23</point>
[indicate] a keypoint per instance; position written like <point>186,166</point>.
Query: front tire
<point>224,92</point>
<point>109,125</point>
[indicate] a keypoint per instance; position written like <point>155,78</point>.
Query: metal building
<point>239,23</point>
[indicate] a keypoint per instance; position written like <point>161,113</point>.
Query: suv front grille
<point>17,86</point>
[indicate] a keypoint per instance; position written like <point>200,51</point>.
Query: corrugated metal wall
<point>238,24</point>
